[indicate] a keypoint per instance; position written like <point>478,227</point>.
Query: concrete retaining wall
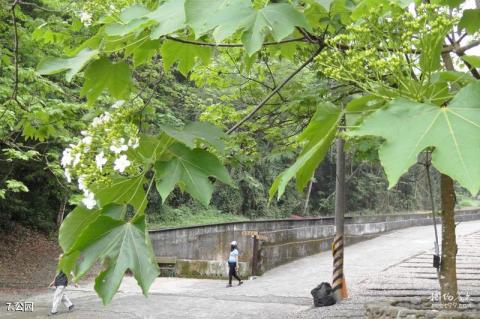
<point>201,251</point>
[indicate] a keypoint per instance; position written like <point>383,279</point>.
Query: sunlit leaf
<point>123,190</point>
<point>185,55</point>
<point>410,127</point>
<point>318,136</point>
<point>102,75</point>
<point>191,169</point>
<point>470,20</point>
<point>120,245</point>
<point>73,65</point>
<point>169,16</point>
<point>473,60</point>
<point>198,131</point>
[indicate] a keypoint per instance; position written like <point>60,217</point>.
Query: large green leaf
<point>325,3</point>
<point>195,131</point>
<point>150,149</point>
<point>122,29</point>
<point>278,20</point>
<point>185,54</point>
<point>318,136</point>
<point>470,20</point>
<point>73,64</point>
<point>104,75</point>
<point>120,246</point>
<point>191,170</point>
<point>79,219</point>
<point>123,190</point>
<point>133,12</point>
<point>410,127</point>
<point>224,18</point>
<point>473,60</point>
<point>169,16</point>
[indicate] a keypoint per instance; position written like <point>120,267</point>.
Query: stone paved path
<point>396,264</point>
<point>412,277</point>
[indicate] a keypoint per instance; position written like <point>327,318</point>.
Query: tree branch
<point>230,45</point>
<point>278,88</point>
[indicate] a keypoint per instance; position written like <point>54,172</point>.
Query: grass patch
<point>468,202</point>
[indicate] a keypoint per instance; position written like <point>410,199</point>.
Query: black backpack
<point>323,295</point>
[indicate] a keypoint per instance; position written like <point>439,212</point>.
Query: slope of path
<point>281,292</point>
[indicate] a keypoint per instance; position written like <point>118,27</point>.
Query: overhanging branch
<point>278,88</point>
<point>231,45</point>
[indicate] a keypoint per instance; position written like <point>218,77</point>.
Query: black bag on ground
<point>323,295</point>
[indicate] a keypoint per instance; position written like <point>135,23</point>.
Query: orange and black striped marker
<point>339,285</point>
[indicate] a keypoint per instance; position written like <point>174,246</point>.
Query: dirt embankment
<point>27,259</point>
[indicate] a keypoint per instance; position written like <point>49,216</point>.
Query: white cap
<point>233,243</point>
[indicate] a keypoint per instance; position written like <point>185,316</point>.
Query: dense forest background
<point>40,116</point>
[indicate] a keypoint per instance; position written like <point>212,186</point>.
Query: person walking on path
<point>60,282</point>
<point>233,264</point>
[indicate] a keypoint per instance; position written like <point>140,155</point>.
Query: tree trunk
<point>305,208</point>
<point>448,264</point>
<point>61,212</point>
<point>339,285</point>
<point>448,267</point>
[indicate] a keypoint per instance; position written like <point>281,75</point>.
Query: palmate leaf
<point>191,170</point>
<point>278,20</point>
<point>185,55</point>
<point>150,149</point>
<point>318,136</point>
<point>169,16</point>
<point>473,60</point>
<point>123,190</point>
<point>104,75</point>
<point>410,127</point>
<point>77,220</point>
<point>119,245</point>
<point>470,20</point>
<point>198,131</point>
<point>73,64</point>
<point>224,18</point>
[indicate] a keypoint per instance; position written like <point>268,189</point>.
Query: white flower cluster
<point>86,18</point>
<point>92,154</point>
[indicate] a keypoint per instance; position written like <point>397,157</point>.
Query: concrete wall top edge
<point>243,225</point>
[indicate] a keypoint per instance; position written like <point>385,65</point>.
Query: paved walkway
<point>395,264</point>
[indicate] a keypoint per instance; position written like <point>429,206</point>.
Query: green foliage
<point>120,244</point>
<point>473,60</point>
<point>185,55</point>
<point>278,20</point>
<point>15,186</point>
<point>409,128</point>
<point>191,170</point>
<point>376,55</point>
<point>103,75</point>
<point>196,132</point>
<point>123,191</point>
<point>470,20</point>
<point>73,64</point>
<point>318,137</point>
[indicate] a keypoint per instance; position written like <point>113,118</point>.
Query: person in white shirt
<point>233,264</point>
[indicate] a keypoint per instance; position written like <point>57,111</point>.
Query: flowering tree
<point>396,54</point>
